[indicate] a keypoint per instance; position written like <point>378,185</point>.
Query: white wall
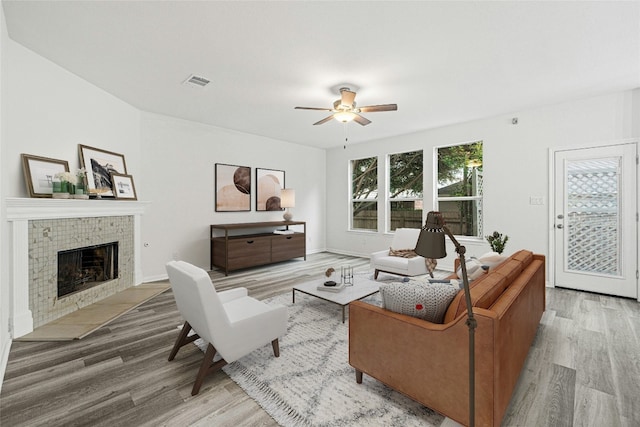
<point>47,111</point>
<point>179,159</point>
<point>515,168</point>
<point>53,110</point>
<point>5,338</point>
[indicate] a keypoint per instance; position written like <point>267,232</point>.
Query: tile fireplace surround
<point>39,228</point>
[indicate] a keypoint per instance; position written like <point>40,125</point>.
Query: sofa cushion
<point>486,290</point>
<point>424,301</point>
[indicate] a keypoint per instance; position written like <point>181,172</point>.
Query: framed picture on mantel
<point>100,164</point>
<point>39,173</point>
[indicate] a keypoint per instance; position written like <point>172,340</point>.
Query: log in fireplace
<point>83,268</point>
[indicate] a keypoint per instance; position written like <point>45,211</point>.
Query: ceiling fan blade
<point>313,108</point>
<point>361,120</point>
<point>375,108</point>
<point>325,120</point>
<point>347,97</point>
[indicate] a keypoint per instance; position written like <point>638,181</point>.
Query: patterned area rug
<point>312,383</point>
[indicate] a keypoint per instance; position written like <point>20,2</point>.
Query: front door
<point>595,219</point>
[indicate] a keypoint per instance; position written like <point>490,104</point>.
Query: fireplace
<point>40,228</point>
<point>83,268</point>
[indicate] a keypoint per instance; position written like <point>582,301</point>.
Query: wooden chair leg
<point>358,376</point>
<point>276,347</point>
<point>375,275</point>
<point>182,339</point>
<point>206,368</point>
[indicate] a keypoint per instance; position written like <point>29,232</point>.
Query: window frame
<point>477,198</point>
<point>389,200</point>
<point>353,200</point>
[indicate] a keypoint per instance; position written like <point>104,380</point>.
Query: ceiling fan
<point>344,109</point>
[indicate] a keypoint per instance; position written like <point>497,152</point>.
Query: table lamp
<point>287,200</point>
<point>431,245</point>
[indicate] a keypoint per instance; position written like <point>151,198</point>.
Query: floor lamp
<point>431,245</point>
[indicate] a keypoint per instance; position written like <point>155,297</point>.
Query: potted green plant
<point>497,241</point>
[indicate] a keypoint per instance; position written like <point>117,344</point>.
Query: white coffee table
<point>362,287</point>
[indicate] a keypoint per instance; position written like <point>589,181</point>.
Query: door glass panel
<point>593,217</point>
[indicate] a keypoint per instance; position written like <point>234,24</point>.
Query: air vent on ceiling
<point>197,81</point>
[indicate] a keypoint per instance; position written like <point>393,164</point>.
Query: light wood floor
<point>583,368</point>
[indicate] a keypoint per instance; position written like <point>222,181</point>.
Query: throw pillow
<point>424,302</point>
<point>475,269</point>
<point>403,253</point>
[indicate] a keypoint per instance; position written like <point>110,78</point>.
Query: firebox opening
<point>83,268</point>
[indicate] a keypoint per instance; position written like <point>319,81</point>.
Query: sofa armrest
<point>425,361</point>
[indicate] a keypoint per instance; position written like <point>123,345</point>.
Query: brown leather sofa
<point>429,362</point>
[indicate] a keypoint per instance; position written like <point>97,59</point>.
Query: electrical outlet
<point>536,200</point>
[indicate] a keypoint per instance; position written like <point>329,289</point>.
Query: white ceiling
<point>441,62</point>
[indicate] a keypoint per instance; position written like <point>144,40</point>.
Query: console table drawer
<point>235,251</point>
<point>284,247</point>
<point>249,252</point>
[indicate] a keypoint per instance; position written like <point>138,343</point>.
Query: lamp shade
<point>431,240</point>
<point>287,198</point>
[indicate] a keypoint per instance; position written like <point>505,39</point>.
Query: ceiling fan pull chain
<point>346,136</point>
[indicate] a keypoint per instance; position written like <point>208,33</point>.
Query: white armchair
<point>409,264</point>
<point>232,323</point>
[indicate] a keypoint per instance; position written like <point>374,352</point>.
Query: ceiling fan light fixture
<point>344,116</point>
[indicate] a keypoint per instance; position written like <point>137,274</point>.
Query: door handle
<point>560,216</point>
<point>559,226</point>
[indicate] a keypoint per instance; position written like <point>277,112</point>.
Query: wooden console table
<point>233,252</point>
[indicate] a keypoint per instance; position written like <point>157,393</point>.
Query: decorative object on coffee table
<point>431,245</point>
<point>340,294</point>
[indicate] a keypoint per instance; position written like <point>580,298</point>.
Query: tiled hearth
<point>42,227</point>
<point>48,236</point>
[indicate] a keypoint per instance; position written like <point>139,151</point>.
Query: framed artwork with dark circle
<point>100,164</point>
<point>123,187</point>
<point>269,183</point>
<point>233,188</point>
<point>39,173</point>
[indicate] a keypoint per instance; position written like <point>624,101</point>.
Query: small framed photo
<point>100,164</point>
<point>39,173</point>
<point>123,187</point>
<point>269,182</point>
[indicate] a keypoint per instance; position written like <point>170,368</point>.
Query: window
<point>405,190</point>
<point>364,194</point>
<point>459,182</point>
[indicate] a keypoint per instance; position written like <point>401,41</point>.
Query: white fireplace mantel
<point>22,210</point>
<point>33,209</point>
